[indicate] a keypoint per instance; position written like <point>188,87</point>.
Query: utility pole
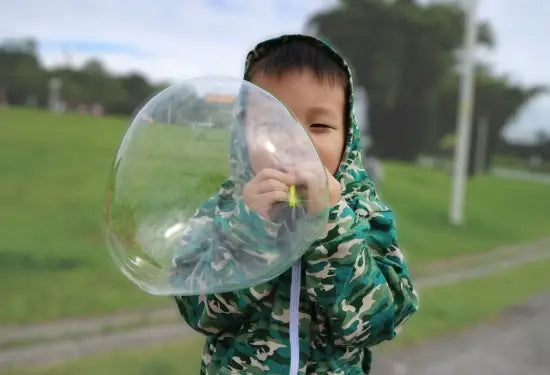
<point>464,116</point>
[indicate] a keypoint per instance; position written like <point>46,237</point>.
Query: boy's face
<point>318,106</point>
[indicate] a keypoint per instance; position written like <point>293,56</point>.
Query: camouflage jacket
<point>349,291</point>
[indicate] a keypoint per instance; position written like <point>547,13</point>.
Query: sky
<point>176,40</point>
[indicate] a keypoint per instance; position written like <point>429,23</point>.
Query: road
<point>518,343</point>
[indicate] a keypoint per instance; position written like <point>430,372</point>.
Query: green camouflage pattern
<point>355,291</point>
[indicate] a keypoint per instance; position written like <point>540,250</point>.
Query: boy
<point>351,289</point>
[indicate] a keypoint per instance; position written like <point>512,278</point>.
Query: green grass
<point>498,211</point>
<point>163,176</point>
<point>53,259</point>
<point>54,172</point>
<point>443,310</point>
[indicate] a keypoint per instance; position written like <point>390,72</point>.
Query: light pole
<point>464,116</point>
<point>55,87</point>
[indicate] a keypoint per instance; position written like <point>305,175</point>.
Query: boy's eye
<point>320,126</point>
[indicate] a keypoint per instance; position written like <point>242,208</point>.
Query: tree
<point>21,74</point>
<point>401,52</point>
<point>137,91</point>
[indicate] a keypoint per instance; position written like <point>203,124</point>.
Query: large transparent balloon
<point>195,164</point>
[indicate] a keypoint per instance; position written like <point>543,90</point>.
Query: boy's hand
<point>266,188</point>
<point>316,190</point>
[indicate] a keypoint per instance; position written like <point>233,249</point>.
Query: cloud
<point>533,118</point>
<point>521,28</point>
<point>89,47</point>
<point>165,39</point>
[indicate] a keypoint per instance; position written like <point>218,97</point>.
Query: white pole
<point>361,111</point>
<point>464,116</point>
<point>53,99</point>
<point>481,146</point>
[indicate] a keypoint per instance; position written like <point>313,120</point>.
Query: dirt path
<point>66,349</point>
<point>74,328</point>
<point>517,343</point>
<point>478,265</point>
<point>520,175</point>
<point>63,340</point>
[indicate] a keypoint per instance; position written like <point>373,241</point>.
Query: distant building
<point>3,98</point>
<point>97,110</point>
<point>374,168</point>
<point>219,98</point>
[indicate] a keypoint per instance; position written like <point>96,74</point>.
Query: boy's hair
<point>299,55</point>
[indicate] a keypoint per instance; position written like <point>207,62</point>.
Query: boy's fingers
<point>274,174</point>
<point>274,196</point>
<point>309,171</point>
<point>308,177</point>
<point>271,184</point>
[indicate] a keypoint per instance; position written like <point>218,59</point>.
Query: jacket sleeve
<point>212,252</point>
<point>222,312</point>
<point>360,277</point>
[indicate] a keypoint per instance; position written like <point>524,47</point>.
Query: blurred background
<point>73,72</point>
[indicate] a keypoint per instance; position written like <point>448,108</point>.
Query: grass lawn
<point>54,172</point>
<point>498,211</point>
<point>53,259</point>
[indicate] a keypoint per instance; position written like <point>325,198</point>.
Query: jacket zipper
<point>294,318</point>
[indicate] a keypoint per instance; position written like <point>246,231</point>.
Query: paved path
<point>520,175</point>
<point>517,344</point>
